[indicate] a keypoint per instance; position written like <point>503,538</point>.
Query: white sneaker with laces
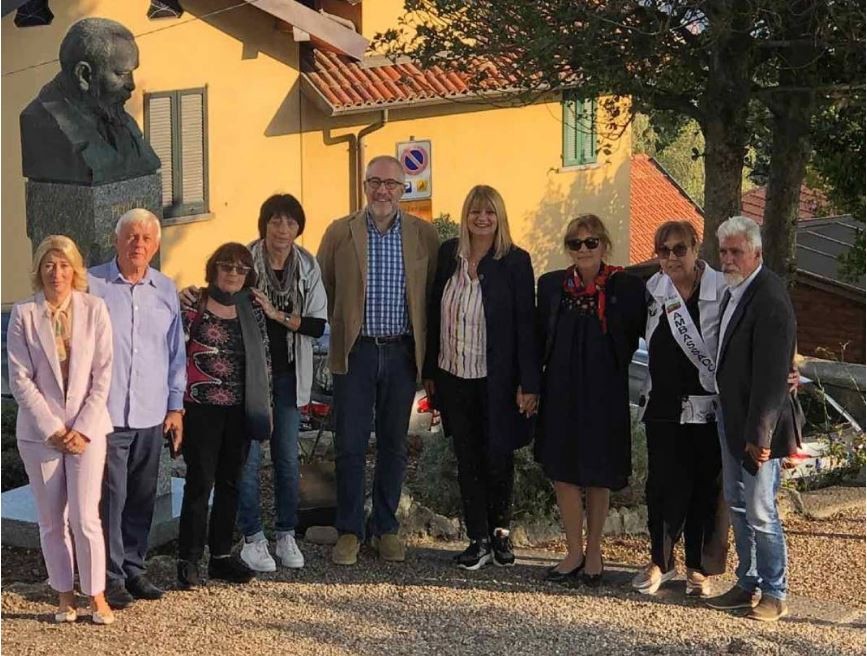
<point>255,555</point>
<point>288,552</point>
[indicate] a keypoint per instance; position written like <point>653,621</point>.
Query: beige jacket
<point>343,259</point>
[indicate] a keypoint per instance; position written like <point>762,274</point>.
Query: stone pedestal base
<point>20,528</point>
<point>88,215</point>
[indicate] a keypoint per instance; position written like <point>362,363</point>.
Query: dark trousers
<point>129,491</point>
<point>684,496</point>
<point>215,449</point>
<point>485,474</point>
<point>380,377</point>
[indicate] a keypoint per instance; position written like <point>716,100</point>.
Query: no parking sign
<point>415,157</point>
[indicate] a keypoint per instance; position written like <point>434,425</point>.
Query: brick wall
<point>826,321</point>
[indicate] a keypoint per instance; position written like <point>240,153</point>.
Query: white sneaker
<point>255,555</point>
<point>288,552</point>
<point>649,579</point>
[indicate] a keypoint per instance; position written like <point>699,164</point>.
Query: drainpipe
<point>357,145</point>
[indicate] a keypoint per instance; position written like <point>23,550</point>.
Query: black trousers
<point>485,474</point>
<point>684,496</point>
<point>215,449</point>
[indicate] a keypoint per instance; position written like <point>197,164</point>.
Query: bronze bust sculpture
<point>76,131</point>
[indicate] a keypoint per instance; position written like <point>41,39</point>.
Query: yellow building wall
<point>515,150</point>
<point>265,137</point>
<point>251,72</point>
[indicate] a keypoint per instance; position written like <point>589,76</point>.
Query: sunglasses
<point>665,252</point>
<point>228,267</point>
<point>592,243</point>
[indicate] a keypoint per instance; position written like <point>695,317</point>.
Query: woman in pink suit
<point>59,349</point>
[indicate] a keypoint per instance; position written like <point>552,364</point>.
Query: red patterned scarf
<point>573,286</point>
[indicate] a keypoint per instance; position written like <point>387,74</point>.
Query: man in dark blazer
<point>759,426</point>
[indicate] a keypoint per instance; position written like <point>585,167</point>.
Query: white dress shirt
<point>737,293</point>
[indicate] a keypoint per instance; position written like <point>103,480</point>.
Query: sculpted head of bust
<point>98,56</point>
<point>76,130</point>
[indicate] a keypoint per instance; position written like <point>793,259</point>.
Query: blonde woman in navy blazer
<point>59,348</point>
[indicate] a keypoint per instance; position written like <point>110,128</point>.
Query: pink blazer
<point>34,369</point>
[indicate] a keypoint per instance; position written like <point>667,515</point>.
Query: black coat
<point>512,359</point>
<point>755,359</point>
<point>625,312</point>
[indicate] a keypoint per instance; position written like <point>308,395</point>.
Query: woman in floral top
<point>227,404</point>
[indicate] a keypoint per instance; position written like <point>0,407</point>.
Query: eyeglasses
<point>390,184</point>
<point>664,252</point>
<point>592,243</point>
<point>228,267</point>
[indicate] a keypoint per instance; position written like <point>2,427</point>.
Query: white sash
<point>688,338</point>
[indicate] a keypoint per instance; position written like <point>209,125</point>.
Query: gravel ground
<point>426,606</point>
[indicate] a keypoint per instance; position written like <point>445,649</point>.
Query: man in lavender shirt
<point>145,400</point>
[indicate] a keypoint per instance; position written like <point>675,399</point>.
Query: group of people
<point>103,377</point>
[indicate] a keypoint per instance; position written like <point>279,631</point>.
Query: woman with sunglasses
<point>228,403</point>
<point>590,317</point>
<point>678,406</point>
<point>482,367</point>
<point>289,290</point>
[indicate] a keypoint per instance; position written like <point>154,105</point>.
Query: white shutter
<point>160,136</point>
<point>192,149</point>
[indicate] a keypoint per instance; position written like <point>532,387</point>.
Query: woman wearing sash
<point>678,406</point>
<point>590,318</point>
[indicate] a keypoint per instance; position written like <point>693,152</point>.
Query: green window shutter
<point>570,131</point>
<point>587,132</point>
<point>176,125</point>
<point>579,130</point>
<point>158,131</point>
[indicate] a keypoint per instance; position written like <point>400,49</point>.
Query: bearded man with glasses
<point>378,266</point>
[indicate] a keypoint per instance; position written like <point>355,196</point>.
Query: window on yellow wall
<point>579,130</point>
<point>176,125</point>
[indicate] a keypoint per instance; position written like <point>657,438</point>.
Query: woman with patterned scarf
<point>591,316</point>
<point>289,290</point>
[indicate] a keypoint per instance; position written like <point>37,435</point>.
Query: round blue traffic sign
<point>414,160</point>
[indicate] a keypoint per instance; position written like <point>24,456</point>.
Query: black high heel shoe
<point>555,576</point>
<point>594,580</point>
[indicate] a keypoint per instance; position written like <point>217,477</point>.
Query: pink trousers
<point>67,489</point>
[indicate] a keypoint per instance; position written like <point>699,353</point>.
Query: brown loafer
<point>390,547</point>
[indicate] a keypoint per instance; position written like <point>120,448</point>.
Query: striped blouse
<point>463,335</point>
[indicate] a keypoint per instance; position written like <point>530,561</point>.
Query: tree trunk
<point>790,151</point>
<point>725,110</point>
<point>723,170</point>
<point>790,145</point>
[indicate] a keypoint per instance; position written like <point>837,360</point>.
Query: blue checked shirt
<point>385,311</point>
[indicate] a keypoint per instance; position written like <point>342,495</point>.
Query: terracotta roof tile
<point>654,197</point>
<point>812,203</point>
<point>347,85</point>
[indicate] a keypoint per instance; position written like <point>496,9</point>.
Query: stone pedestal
<point>88,215</point>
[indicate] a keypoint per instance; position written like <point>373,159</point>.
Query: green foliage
<point>446,228</point>
<point>680,151</point>
<point>435,483</point>
<point>12,472</point>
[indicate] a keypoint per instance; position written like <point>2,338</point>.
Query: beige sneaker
<point>390,547</point>
<point>769,609</point>
<point>648,580</point>
<point>697,584</point>
<point>345,552</point>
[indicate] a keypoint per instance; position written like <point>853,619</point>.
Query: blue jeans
<point>284,456</point>
<point>759,539</point>
<point>381,377</point>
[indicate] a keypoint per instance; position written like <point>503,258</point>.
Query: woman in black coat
<point>482,367</point>
<point>590,318</point>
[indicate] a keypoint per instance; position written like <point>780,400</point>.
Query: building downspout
<point>357,145</point>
